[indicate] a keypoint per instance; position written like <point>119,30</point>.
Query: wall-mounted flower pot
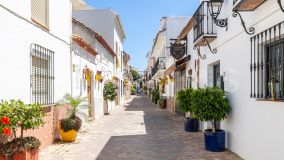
<point>191,124</point>
<point>214,142</point>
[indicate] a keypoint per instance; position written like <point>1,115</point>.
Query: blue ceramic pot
<point>191,124</point>
<point>214,142</point>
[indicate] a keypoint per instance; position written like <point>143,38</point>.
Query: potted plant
<point>185,100</point>
<point>163,103</point>
<point>155,95</point>
<point>109,93</point>
<point>210,104</point>
<point>70,126</point>
<point>18,115</point>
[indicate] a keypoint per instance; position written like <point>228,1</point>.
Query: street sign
<point>178,50</point>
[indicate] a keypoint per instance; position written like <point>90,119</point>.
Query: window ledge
<point>40,25</point>
<point>271,100</point>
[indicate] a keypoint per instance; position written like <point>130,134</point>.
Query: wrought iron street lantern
<point>280,4</point>
<point>215,7</point>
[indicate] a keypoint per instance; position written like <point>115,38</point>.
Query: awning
<point>170,70</point>
<point>179,65</point>
<point>84,44</point>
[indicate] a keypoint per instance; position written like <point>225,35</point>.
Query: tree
<point>135,74</point>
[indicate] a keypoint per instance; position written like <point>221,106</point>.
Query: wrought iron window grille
<point>42,75</point>
<point>267,63</point>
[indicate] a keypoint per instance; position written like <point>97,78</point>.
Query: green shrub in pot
<point>210,104</point>
<point>185,100</point>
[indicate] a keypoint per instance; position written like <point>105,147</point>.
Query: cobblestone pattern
<point>136,131</point>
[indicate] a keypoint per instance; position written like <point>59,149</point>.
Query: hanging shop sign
<point>178,48</point>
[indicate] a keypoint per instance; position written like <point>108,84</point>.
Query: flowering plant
<point>5,126</point>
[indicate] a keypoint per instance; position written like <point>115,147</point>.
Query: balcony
<point>246,5</point>
<point>160,64</point>
<point>204,28</point>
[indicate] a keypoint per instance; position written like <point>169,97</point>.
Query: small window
<point>39,12</point>
<point>42,75</point>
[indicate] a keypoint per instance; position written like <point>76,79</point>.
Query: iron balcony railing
<point>204,22</point>
<point>160,64</point>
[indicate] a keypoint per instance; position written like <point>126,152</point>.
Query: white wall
<point>102,62</point>
<point>17,36</point>
<point>105,22</point>
<point>254,128</point>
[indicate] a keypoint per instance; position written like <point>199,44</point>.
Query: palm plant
<point>72,122</point>
<point>74,102</point>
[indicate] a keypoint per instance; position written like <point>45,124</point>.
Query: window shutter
<point>40,11</point>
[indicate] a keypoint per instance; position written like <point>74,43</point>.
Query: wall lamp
<point>280,4</point>
<point>214,7</point>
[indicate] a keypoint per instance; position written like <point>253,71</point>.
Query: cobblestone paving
<point>136,131</point>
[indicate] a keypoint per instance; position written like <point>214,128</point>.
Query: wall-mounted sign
<point>178,49</point>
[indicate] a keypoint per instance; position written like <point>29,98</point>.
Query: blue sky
<point>141,20</point>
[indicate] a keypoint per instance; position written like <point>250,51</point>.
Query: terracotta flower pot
<point>3,158</point>
<point>27,155</point>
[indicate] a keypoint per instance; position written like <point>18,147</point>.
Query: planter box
<point>25,155</point>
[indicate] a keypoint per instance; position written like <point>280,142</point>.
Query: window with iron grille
<point>267,63</point>
<point>39,12</point>
<point>42,75</point>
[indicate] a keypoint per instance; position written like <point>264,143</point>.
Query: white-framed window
<point>40,12</point>
<point>42,75</point>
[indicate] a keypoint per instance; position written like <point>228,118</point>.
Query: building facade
<point>93,65</point>
<point>107,23</point>
<point>36,51</point>
<point>242,55</point>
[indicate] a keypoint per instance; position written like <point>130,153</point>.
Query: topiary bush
<point>210,104</point>
<point>185,100</point>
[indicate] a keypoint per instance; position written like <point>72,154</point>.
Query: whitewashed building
<point>160,59</point>
<point>92,66</point>
<point>36,46</point>
<point>35,59</point>
<point>247,56</point>
<point>107,23</point>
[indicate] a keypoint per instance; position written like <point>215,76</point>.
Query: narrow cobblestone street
<point>136,131</point>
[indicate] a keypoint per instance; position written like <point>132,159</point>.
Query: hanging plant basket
<point>88,73</point>
<point>99,77</point>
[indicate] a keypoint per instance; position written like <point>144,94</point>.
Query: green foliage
<point>74,102</point>
<point>110,91</point>
<point>72,122</point>
<point>136,76</point>
<point>155,95</point>
<point>133,90</point>
<point>21,115</point>
<point>184,98</point>
<point>19,145</point>
<point>69,124</point>
<point>210,104</point>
